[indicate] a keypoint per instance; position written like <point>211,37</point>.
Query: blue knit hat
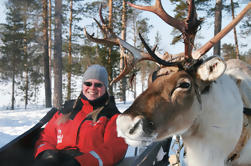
<point>97,72</point>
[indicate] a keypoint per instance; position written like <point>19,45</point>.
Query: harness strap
<point>245,135</point>
<point>154,75</point>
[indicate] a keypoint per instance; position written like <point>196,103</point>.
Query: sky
<point>206,30</point>
<point>2,11</point>
<point>159,25</point>
<point>165,30</point>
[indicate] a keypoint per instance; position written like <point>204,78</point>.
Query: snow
<point>15,122</point>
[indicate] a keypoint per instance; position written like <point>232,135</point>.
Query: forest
<point>42,43</point>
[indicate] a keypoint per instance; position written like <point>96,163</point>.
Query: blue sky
<point>206,31</point>
<point>2,11</point>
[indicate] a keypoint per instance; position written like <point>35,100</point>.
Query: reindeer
<point>199,98</point>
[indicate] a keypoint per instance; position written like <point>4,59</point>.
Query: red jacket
<point>97,141</point>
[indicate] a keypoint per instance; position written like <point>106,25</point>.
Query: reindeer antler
<point>110,39</point>
<point>136,56</point>
<point>188,27</point>
<point>158,10</point>
<point>157,59</point>
<point>205,48</point>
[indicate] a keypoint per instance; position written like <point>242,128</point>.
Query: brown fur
<point>162,104</point>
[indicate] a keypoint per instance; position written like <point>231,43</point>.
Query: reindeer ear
<point>211,69</point>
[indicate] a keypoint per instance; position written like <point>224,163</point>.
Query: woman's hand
<point>55,158</point>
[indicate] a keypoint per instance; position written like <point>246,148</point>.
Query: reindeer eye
<point>184,85</point>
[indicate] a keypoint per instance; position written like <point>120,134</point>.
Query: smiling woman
<point>95,82</point>
<point>84,132</point>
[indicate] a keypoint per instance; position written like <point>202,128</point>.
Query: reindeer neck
<point>216,130</point>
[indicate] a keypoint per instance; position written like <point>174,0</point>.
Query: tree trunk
<point>50,39</point>
<point>57,65</point>
<point>47,80</point>
<point>235,34</point>
<point>217,25</point>
<point>109,70</point>
<point>123,36</point>
<point>13,89</point>
<point>69,56</point>
<point>26,87</point>
<point>26,65</point>
<point>135,45</point>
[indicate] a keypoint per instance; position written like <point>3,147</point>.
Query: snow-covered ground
<point>15,122</point>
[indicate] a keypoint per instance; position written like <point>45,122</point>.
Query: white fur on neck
<point>219,127</point>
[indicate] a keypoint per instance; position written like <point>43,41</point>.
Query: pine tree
<point>47,79</point>
<point>13,44</point>
<point>57,65</point>
<point>217,25</point>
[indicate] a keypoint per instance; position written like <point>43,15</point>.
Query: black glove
<point>47,157</point>
<point>55,158</point>
<point>66,158</point>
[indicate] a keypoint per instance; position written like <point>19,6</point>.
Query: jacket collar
<point>97,102</point>
<point>82,100</point>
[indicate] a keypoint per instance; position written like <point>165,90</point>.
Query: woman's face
<point>93,89</point>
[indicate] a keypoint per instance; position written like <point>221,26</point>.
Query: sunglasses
<point>96,85</point>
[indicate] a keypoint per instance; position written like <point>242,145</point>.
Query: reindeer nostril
<point>134,127</point>
<point>149,127</point>
<point>150,123</point>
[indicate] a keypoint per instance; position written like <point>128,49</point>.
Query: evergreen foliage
<point>21,60</point>
<point>19,48</point>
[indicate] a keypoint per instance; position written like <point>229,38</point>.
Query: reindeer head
<point>170,105</point>
<point>172,102</point>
